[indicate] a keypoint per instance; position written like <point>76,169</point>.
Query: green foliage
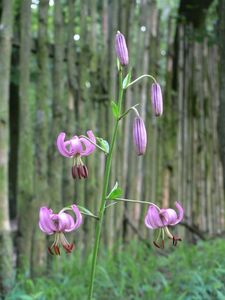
<point>135,272</point>
<point>115,109</point>
<point>115,192</point>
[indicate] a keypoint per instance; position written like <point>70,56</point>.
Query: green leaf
<point>115,109</point>
<point>115,192</point>
<point>104,144</point>
<point>85,210</point>
<point>126,80</point>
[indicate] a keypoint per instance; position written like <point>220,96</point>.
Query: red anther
<point>79,172</point>
<point>74,172</point>
<point>175,240</point>
<point>71,246</point>
<point>50,251</point>
<point>156,245</point>
<point>67,248</point>
<point>85,171</point>
<point>162,244</point>
<point>56,249</point>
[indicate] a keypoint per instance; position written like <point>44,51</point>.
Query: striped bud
<point>139,135</point>
<point>121,49</point>
<point>157,100</point>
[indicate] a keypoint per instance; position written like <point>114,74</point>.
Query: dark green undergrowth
<point>135,272</point>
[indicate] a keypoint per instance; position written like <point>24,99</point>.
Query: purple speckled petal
<point>88,147</point>
<point>168,216</point>
<point>152,219</point>
<point>78,216</point>
<point>45,221</point>
<point>65,222</point>
<point>180,211</point>
<point>75,145</point>
<point>61,145</point>
<point>157,100</point>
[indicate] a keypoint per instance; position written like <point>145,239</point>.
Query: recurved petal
<point>180,213</point>
<point>78,217</point>
<point>88,147</point>
<point>152,219</point>
<point>168,216</point>
<point>45,222</point>
<point>61,145</point>
<point>65,222</point>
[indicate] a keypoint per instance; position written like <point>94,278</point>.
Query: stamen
<point>56,249</point>
<point>156,245</point>
<point>85,169</point>
<point>50,251</point>
<point>74,173</point>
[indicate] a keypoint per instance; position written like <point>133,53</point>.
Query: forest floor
<point>134,272</point>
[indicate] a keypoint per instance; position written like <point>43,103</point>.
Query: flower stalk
<point>139,78</point>
<point>105,189</point>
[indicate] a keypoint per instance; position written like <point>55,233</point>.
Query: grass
<point>135,272</point>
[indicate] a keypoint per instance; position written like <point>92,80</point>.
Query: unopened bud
<point>139,135</point>
<point>157,100</point>
<point>121,49</point>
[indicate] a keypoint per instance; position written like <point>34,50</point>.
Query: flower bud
<point>139,135</point>
<point>157,101</point>
<point>121,49</point>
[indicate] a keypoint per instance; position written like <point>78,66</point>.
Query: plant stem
<point>142,76</point>
<point>136,201</point>
<point>104,191</point>
<point>126,112</point>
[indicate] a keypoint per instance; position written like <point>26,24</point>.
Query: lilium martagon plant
<point>78,147</point>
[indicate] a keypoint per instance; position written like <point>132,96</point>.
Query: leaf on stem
<point>115,109</point>
<point>85,211</point>
<point>126,80</point>
<point>115,192</point>
<point>103,144</point>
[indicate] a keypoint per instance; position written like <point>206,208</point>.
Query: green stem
<point>136,201</point>
<point>139,78</point>
<point>104,191</point>
<point>100,148</point>
<point>131,108</point>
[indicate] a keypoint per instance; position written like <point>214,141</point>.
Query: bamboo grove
<point>56,74</point>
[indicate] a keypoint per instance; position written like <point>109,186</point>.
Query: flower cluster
<point>139,131</point>
<point>78,147</point>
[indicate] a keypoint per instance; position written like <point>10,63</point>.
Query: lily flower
<point>160,219</point>
<point>75,148</point>
<point>157,100</point>
<point>139,135</point>
<point>57,225</point>
<point>121,49</point>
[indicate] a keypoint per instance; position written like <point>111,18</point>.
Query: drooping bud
<point>157,100</point>
<point>139,135</point>
<point>121,49</point>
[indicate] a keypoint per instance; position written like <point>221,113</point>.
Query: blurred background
<point>58,73</point>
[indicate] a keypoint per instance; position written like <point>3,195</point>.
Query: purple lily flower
<point>157,100</point>
<point>157,218</point>
<point>121,49</point>
<point>139,135</point>
<point>58,224</point>
<point>75,148</point>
